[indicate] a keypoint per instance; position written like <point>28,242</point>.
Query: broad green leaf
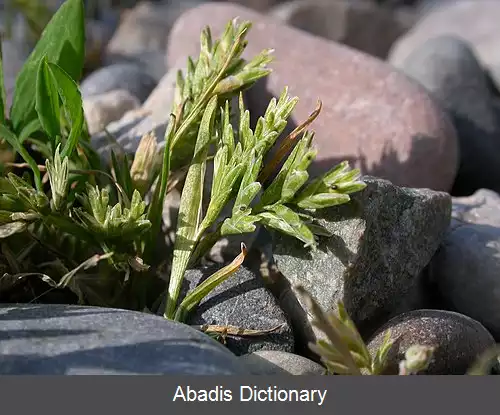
<point>47,102</point>
<point>3,95</point>
<point>30,129</point>
<point>6,134</point>
<point>62,42</point>
<point>190,209</point>
<point>72,104</point>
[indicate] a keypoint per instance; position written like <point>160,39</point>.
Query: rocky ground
<point>410,93</point>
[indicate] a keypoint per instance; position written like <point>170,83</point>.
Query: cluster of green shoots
<point>83,227</point>
<point>75,226</point>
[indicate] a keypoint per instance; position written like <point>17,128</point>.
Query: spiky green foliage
<point>343,350</point>
<point>85,231</point>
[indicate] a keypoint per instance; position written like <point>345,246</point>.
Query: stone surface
<point>97,35</point>
<point>275,362</point>
<point>447,67</point>
<point>381,242</point>
<point>363,25</point>
<point>14,56</point>
<point>146,27</point>
<point>458,340</point>
<point>372,114</point>
<point>475,21</point>
<point>259,5</point>
<point>153,115</point>
<point>466,270</point>
<point>128,76</point>
<point>62,340</point>
<point>482,208</point>
<point>242,301</point>
<point>102,109</point>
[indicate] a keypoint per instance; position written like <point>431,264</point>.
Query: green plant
<point>84,228</point>
<point>344,352</point>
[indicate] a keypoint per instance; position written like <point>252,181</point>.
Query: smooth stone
<point>458,340</point>
<point>259,5</point>
<point>100,110</point>
<point>128,76</point>
<point>447,67</point>
<point>362,25</point>
<point>466,271</point>
<point>372,115</point>
<point>152,116</point>
<point>481,208</point>
<point>381,242</point>
<point>63,339</point>
<point>275,362</point>
<point>241,301</point>
<point>97,36</point>
<point>475,21</point>
<point>146,27</point>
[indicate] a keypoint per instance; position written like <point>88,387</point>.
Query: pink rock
<point>372,114</point>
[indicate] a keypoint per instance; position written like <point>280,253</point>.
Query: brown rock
<point>361,24</point>
<point>372,115</point>
<point>260,5</point>
<point>458,340</point>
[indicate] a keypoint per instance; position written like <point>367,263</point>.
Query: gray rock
<point>363,25</point>
<point>102,109</point>
<point>274,362</point>
<point>458,340</point>
<point>152,116</point>
<point>61,339</point>
<point>128,76</point>
<point>242,301</point>
<point>153,62</point>
<point>466,270</point>
<point>475,21</point>
<point>381,242</point>
<point>146,28</point>
<point>447,67</point>
<point>482,208</point>
<point>14,55</point>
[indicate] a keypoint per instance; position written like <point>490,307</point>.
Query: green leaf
<point>6,134</point>
<point>238,224</point>
<point>3,95</point>
<point>190,209</point>
<point>62,42</point>
<point>285,220</point>
<point>156,206</point>
<point>194,297</point>
<point>9,229</point>
<point>29,129</point>
<point>47,102</point>
<point>323,200</point>
<point>72,104</point>
<point>380,359</point>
